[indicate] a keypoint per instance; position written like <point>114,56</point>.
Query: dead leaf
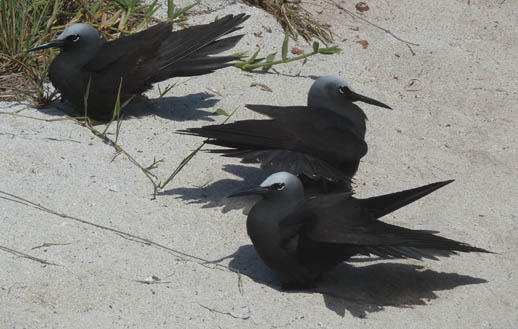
<point>214,91</point>
<point>262,86</point>
<point>362,6</point>
<point>152,280</point>
<point>364,43</point>
<point>297,51</point>
<point>414,85</point>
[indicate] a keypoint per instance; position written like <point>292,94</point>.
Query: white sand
<point>460,123</point>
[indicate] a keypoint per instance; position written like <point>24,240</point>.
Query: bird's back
<point>135,62</point>
<point>316,143</point>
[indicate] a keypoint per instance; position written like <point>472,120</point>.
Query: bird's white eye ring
<point>279,186</point>
<point>343,90</point>
<point>75,38</point>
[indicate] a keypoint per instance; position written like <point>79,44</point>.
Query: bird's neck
<point>344,108</point>
<point>78,57</point>
<point>355,115</point>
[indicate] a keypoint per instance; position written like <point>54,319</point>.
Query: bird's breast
<point>277,248</point>
<point>68,79</point>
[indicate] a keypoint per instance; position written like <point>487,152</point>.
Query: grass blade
<point>285,44</point>
<point>85,99</point>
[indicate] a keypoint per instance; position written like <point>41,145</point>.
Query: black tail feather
<point>380,206</point>
<point>187,50</point>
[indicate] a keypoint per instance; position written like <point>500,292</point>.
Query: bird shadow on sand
<point>185,108</point>
<point>361,286</point>
<point>214,194</point>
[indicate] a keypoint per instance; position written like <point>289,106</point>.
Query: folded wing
<point>297,139</point>
<point>342,219</point>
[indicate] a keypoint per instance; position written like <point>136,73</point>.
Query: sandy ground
<point>456,120</point>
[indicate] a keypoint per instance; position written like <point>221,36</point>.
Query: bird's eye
<point>279,186</point>
<point>74,37</point>
<point>344,90</point>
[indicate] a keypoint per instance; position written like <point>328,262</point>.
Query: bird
<point>301,238</point>
<point>322,142</point>
<point>134,62</point>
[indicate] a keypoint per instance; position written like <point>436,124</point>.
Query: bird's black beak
<point>259,190</point>
<point>360,98</point>
<point>52,44</point>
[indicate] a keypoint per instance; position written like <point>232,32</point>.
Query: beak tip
<point>34,49</point>
<point>357,97</point>
<point>51,44</point>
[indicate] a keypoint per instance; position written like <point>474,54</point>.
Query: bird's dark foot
<point>335,187</point>
<point>90,121</point>
<point>95,122</point>
<point>348,186</point>
<point>294,286</point>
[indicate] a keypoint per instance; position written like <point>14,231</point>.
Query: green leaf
<point>151,9</point>
<point>239,54</point>
<point>316,45</point>
<point>270,58</point>
<point>116,110</point>
<point>87,93</point>
<point>254,56</point>
<point>171,8</point>
<point>285,44</point>
<point>221,112</point>
<point>123,4</point>
<point>133,3</point>
<point>95,7</point>
<point>178,13</point>
<point>257,60</point>
<point>330,50</point>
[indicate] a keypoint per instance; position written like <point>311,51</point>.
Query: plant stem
<point>281,61</point>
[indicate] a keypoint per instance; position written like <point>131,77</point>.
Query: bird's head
<point>76,38</point>
<point>281,185</point>
<point>331,90</point>
<point>334,94</point>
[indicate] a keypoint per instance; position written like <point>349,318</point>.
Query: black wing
<point>158,53</point>
<point>382,205</point>
<point>186,52</point>
<point>342,219</point>
<point>317,142</point>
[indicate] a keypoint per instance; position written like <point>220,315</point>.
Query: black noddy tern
<point>301,238</point>
<point>140,59</point>
<point>324,140</point>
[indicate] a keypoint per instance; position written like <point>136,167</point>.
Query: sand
<point>120,257</point>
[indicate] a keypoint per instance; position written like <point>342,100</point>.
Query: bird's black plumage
<point>298,139</point>
<point>322,142</point>
<point>140,60</point>
<point>302,238</point>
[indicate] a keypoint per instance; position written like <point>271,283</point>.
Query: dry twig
<point>408,43</point>
<point>24,255</point>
